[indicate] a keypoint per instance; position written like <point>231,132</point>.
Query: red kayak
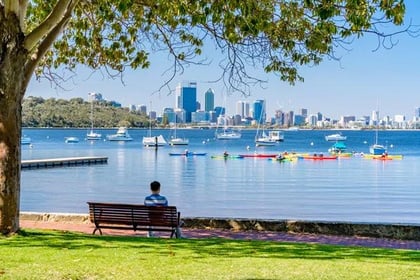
<point>260,155</point>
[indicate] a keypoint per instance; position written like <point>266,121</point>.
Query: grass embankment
<point>42,254</point>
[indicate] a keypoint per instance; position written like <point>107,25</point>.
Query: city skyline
<point>364,79</point>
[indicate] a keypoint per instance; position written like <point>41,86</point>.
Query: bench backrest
<point>129,214</point>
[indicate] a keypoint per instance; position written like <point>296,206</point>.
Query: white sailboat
<point>175,140</point>
<point>153,141</point>
<point>377,149</point>
<point>92,135</point>
<point>227,133</point>
<point>262,139</point>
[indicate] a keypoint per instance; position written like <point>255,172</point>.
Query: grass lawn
<point>43,254</point>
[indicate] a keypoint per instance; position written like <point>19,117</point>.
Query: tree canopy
<point>278,36</point>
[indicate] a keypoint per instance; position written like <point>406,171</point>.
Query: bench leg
<point>97,229</point>
<point>177,232</point>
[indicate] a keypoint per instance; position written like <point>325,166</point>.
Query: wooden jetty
<point>61,162</point>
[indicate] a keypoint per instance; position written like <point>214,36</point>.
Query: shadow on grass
<point>202,248</point>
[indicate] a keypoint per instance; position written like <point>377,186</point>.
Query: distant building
<point>313,120</point>
<point>200,116</point>
<point>170,115</point>
<point>209,100</point>
<point>299,120</point>
<point>219,111</point>
<point>152,115</point>
<point>289,119</point>
<point>304,112</point>
<point>345,120</point>
<point>374,119</point>
<point>142,109</point>
<point>417,113</point>
<point>242,109</point>
<point>259,111</point>
<point>186,98</point>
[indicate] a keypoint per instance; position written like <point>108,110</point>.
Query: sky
<point>365,79</point>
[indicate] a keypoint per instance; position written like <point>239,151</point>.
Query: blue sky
<point>363,80</point>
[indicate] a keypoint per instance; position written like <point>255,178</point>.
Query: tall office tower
<point>279,117</point>
<point>320,116</point>
<point>240,108</point>
<point>289,119</point>
<point>304,112</point>
<point>246,110</point>
<point>417,113</point>
<point>186,98</point>
<point>259,111</point>
<point>143,109</point>
<point>209,100</point>
<point>152,115</point>
<point>375,118</point>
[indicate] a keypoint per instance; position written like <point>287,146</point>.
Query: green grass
<point>42,254</point>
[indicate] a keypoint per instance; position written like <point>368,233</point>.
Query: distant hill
<point>40,112</point>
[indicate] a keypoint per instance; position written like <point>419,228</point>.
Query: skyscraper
<point>259,111</point>
<point>186,98</point>
<point>209,100</point>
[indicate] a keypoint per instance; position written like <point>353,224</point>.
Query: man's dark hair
<point>155,186</point>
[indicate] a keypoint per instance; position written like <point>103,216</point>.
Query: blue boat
<point>377,149</point>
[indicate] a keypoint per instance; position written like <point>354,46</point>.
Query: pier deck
<point>61,162</point>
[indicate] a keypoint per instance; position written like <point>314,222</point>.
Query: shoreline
<point>372,230</point>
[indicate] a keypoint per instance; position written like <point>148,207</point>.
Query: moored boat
<point>228,134</point>
<point>71,140</point>
<point>153,141</point>
<point>25,140</point>
<point>121,135</point>
<point>336,137</point>
<point>178,141</point>
<point>276,135</point>
<point>93,135</point>
<point>377,149</point>
<point>264,140</point>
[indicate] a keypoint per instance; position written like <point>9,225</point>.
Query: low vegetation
<point>39,112</point>
<point>42,254</point>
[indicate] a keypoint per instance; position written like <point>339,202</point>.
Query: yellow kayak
<point>383,157</point>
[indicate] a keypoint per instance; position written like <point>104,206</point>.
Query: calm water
<point>355,189</point>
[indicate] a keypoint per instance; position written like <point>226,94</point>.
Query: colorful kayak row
<point>290,157</point>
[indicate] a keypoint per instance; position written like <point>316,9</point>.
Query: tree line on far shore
<point>76,113</point>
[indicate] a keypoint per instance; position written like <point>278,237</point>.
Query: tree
<point>44,37</point>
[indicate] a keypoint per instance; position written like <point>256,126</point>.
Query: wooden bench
<point>134,217</point>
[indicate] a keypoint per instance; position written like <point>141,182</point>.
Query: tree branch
<point>53,19</point>
<point>17,7</point>
<point>47,42</point>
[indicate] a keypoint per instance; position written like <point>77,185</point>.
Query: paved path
<point>245,235</point>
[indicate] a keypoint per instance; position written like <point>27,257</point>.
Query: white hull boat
<point>153,141</point>
<point>121,135</point>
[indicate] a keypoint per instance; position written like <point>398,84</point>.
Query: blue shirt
<point>155,200</point>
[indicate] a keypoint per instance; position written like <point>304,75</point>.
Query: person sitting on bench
<point>155,199</point>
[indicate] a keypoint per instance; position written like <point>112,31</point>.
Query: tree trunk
<point>12,65</point>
